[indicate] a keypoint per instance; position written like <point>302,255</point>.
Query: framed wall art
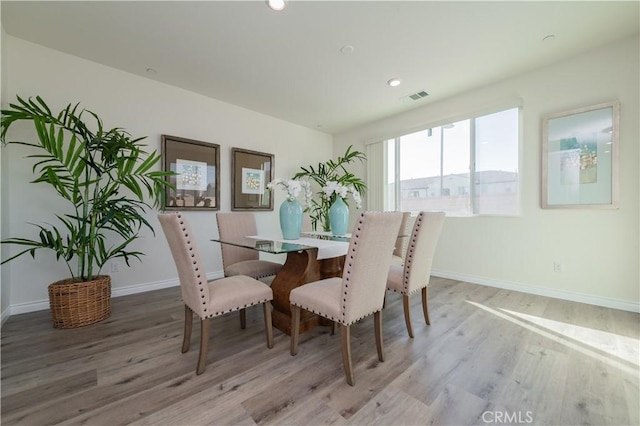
<point>197,179</point>
<point>580,157</point>
<point>251,171</point>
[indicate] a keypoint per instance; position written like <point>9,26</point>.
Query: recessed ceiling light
<point>347,49</point>
<point>394,82</point>
<point>276,5</point>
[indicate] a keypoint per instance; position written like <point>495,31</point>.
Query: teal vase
<point>291,219</point>
<point>339,217</point>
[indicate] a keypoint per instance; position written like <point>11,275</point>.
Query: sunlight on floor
<point>618,351</point>
<point>620,346</point>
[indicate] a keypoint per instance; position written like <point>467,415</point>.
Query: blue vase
<point>339,217</point>
<point>290,219</point>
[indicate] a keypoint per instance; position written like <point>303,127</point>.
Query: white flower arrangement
<point>333,187</point>
<point>293,188</point>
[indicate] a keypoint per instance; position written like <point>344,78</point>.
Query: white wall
<point>598,249</point>
<point>142,107</point>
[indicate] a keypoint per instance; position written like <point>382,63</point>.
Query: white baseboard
<point>40,305</point>
<point>606,302</point>
<point>4,316</point>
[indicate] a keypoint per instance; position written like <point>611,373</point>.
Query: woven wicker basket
<point>76,304</point>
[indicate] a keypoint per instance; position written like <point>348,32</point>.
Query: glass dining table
<point>310,258</point>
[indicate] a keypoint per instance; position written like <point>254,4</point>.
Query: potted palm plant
<point>105,177</point>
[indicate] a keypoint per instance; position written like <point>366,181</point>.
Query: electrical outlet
<point>557,266</point>
<point>115,267</point>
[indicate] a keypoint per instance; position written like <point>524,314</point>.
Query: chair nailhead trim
<point>194,262</point>
<point>347,273</point>
<point>306,308</point>
<point>410,252</point>
<point>238,308</point>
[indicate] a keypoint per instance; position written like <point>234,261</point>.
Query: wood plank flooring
<point>490,356</point>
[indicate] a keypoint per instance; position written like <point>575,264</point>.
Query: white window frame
<point>473,211</point>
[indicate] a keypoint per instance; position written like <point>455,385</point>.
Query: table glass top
<point>268,246</point>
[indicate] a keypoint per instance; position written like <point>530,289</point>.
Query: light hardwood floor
<point>490,356</point>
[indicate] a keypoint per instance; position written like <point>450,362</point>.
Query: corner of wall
<point>5,290</point>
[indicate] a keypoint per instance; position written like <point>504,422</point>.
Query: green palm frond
<point>91,169</point>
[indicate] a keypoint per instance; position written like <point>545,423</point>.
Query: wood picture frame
<point>580,158</point>
<point>251,171</point>
<point>197,179</point>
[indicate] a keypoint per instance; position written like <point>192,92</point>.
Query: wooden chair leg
<point>377,319</point>
<point>243,318</point>
<point>407,314</point>
<point>346,354</point>
<point>267,323</point>
<point>425,306</point>
<point>295,328</point>
<point>188,325</point>
<point>204,345</point>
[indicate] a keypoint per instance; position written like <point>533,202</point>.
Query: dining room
<point>533,315</point>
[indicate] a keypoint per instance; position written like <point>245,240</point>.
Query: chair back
<point>367,264</point>
<point>235,225</point>
<point>306,223</point>
<point>420,250</point>
<point>401,241</point>
<point>192,276</point>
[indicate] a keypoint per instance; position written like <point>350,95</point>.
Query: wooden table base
<point>300,268</point>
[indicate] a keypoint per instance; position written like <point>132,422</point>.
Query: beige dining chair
<point>415,273</point>
<point>208,299</point>
<point>306,223</point>
<point>238,260</point>
<point>360,292</point>
<point>401,241</point>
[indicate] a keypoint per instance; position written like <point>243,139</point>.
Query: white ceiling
<point>289,64</point>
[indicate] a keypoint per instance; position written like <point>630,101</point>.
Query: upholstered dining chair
<point>238,260</point>
<point>361,289</point>
<point>415,273</point>
<point>401,241</point>
<point>213,298</point>
<point>306,223</point>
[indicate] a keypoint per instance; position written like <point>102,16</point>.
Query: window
<point>465,167</point>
